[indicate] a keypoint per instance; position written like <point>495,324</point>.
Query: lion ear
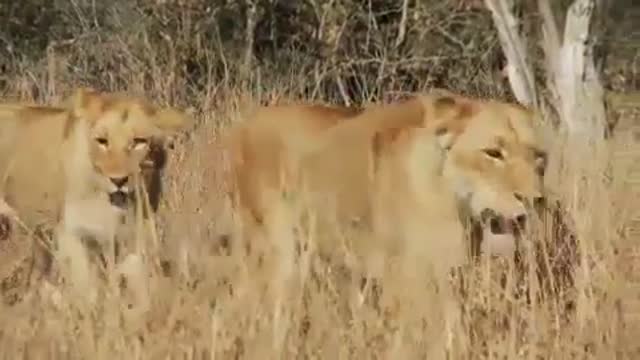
<point>85,103</point>
<point>408,114</point>
<point>382,141</point>
<point>445,137</point>
<point>170,120</point>
<point>451,115</point>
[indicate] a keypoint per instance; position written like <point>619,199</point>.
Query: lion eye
<point>494,153</point>
<point>102,141</point>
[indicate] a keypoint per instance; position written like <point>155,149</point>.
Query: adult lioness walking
<point>413,170</point>
<point>78,164</point>
<point>410,174</point>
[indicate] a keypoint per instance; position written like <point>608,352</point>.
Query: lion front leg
<point>73,260</point>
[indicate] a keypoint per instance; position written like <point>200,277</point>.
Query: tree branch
<point>251,15</point>
<point>402,27</point>
<point>518,69</point>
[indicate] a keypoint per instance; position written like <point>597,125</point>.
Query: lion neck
<point>424,167</point>
<point>77,163</point>
<point>414,202</point>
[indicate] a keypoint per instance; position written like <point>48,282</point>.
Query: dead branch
<point>251,14</point>
<point>402,27</point>
<point>518,68</point>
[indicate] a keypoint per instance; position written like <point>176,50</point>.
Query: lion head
<point>494,161</point>
<point>121,134</point>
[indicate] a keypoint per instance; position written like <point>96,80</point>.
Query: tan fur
<point>62,163</point>
<point>412,171</point>
<point>260,149</point>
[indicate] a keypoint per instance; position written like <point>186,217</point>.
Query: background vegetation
<point>217,57</point>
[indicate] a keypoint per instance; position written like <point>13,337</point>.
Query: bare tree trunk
<point>251,15</point>
<point>572,77</point>
<point>402,27</point>
<point>518,69</point>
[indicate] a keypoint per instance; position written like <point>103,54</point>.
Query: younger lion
<point>78,165</point>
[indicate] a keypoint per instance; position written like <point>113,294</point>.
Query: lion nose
<point>119,181</point>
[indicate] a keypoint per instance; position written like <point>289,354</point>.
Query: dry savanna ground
<point>197,302</point>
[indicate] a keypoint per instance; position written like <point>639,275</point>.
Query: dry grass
<point>211,305</point>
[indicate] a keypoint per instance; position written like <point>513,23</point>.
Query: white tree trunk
<point>573,79</point>
<point>402,28</point>
<point>574,83</point>
<point>518,68</point>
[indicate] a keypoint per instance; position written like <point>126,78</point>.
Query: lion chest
<point>92,216</point>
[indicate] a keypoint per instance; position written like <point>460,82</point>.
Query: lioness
<point>410,170</point>
<point>77,164</point>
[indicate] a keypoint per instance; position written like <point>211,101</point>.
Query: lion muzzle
<point>119,199</point>
<point>500,224</point>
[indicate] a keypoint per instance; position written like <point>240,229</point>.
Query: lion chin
<point>500,244</point>
<point>119,199</point>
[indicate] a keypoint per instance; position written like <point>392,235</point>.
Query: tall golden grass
<point>197,302</point>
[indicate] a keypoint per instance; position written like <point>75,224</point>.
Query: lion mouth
<point>500,225</point>
<point>119,199</point>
